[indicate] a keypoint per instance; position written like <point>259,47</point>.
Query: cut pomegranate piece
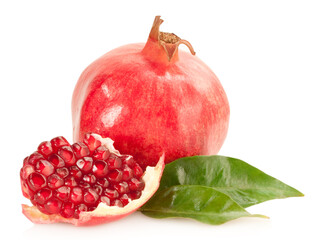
<point>86,183</point>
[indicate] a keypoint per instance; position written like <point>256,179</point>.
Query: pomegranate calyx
<point>168,41</point>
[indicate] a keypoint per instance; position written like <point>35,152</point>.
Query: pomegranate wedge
<point>86,183</point>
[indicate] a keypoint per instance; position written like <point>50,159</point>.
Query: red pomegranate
<point>152,98</point>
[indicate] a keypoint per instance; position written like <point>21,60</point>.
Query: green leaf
<point>244,183</point>
<point>202,203</point>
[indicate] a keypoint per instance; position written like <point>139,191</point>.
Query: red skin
<point>149,105</point>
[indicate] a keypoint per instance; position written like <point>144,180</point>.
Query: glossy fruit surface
<point>85,183</point>
<point>152,98</point>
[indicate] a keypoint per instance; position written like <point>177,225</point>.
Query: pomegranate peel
<point>103,213</point>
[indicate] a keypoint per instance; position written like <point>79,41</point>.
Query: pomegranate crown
<point>168,41</point>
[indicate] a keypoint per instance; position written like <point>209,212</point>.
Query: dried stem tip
<point>169,41</point>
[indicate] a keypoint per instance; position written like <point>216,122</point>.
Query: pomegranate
<point>152,98</point>
<point>85,183</point>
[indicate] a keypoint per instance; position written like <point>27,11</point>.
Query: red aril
<point>152,98</point>
<point>73,185</point>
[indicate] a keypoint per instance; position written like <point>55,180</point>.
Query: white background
<point>265,53</point>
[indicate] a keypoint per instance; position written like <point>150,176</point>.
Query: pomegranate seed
<point>42,209</point>
<point>135,195</point>
<point>91,208</point>
<point>136,185</point>
<point>76,195</point>
<point>34,158</point>
<point>70,181</point>
<point>67,210</point>
<point>62,172</point>
<point>128,160</point>
<point>114,162</point>
<point>45,148</point>
<point>44,167</point>
<point>59,142</point>
<point>56,160</point>
<point>127,173</point>
<point>103,182</point>
<point>55,181</point>
<point>85,164</point>
<point>75,172</point>
<point>26,171</point>
<point>84,185</point>
<point>33,200</point>
<point>101,153</point>
<point>138,171</point>
<point>124,199</point>
<point>80,150</point>
<point>36,181</point>
<point>100,169</point>
<point>117,203</point>
<point>25,161</point>
<point>89,178</point>
<point>98,189</point>
<point>105,200</point>
<point>66,153</point>
<point>63,193</point>
<point>43,195</point>
<point>67,180</point>
<point>115,176</point>
<point>80,208</point>
<point>53,206</point>
<point>112,194</point>
<point>122,187</point>
<point>22,173</point>
<point>91,142</point>
<point>90,196</point>
<point>26,191</point>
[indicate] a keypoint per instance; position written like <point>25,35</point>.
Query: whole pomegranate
<point>152,98</point>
